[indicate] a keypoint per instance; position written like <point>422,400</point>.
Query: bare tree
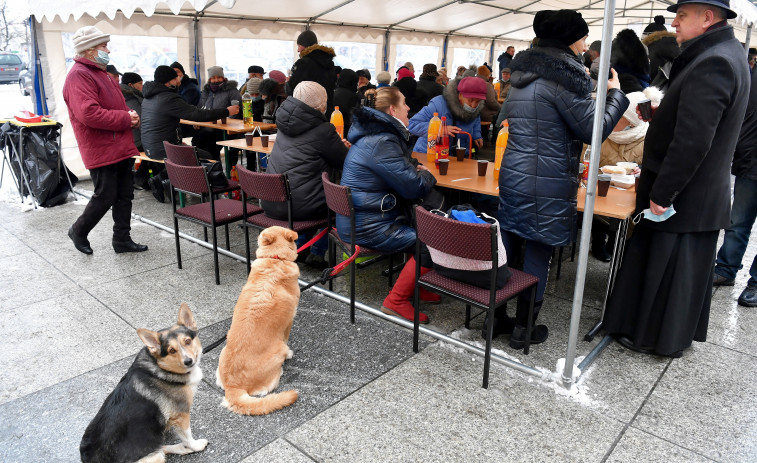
<point>13,32</point>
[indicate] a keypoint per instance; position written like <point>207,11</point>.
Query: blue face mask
<point>102,58</point>
<point>257,98</point>
<point>468,109</point>
<point>647,214</point>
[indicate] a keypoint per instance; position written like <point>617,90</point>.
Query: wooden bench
<point>143,157</point>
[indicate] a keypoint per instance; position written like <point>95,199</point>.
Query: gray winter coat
<point>222,98</point>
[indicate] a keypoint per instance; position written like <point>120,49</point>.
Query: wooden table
<point>257,147</point>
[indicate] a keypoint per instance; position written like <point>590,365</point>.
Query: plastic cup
<point>482,166</point>
<point>443,165</point>
<point>645,108</point>
<point>264,141</point>
<point>248,138</point>
<point>234,102</point>
<point>636,182</point>
<point>603,184</point>
<point>460,153</point>
<point>223,120</point>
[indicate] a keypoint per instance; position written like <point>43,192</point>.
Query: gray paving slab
<point>732,325</point>
<point>10,245</point>
<point>705,403</point>
<point>641,447</point>
<point>26,278</point>
<point>58,339</point>
<point>432,408</point>
<point>279,451</point>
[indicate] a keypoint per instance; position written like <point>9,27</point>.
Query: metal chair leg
<point>176,237</point>
<point>352,292</point>
<point>467,316</point>
<point>488,352</point>
<point>215,255</point>
<point>530,324</point>
<point>247,245</point>
<point>228,246</point>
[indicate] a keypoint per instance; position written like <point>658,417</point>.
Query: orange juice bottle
<point>433,132</point>
<point>499,151</point>
<point>338,121</point>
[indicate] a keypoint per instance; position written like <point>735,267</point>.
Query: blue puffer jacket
<point>447,105</point>
<point>551,112</point>
<point>381,175</point>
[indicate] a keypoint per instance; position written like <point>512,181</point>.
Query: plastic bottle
<point>442,140</point>
<point>433,132</point>
<point>247,109</point>
<point>338,121</point>
<point>587,157</point>
<point>235,176</point>
<point>499,151</point>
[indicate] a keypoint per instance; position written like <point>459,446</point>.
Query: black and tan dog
<point>154,396</point>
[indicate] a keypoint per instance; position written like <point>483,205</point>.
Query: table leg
<point>226,160</point>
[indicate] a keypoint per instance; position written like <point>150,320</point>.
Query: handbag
<point>471,271</point>
<point>216,176</point>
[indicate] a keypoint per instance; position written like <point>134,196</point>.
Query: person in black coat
<point>346,96</point>
<point>662,48</point>
<point>306,146</point>
<point>427,82</point>
<point>744,209</point>
<point>415,98</point>
<point>363,84</point>
<point>661,298</point>
<point>629,58</point>
<point>189,88</point>
<point>504,59</point>
<point>316,64</point>
<point>131,87</point>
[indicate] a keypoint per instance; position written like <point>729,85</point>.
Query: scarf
<point>625,137</point>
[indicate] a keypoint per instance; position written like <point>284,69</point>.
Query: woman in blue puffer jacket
<point>551,113</point>
<point>382,175</point>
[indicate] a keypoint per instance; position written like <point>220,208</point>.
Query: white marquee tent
<point>199,26</point>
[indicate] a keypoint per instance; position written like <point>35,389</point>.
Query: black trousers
<point>113,188</point>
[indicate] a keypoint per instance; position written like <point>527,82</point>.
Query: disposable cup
<point>482,166</point>
<point>443,165</point>
<point>264,141</point>
<point>248,138</point>
<point>645,108</point>
<point>603,184</point>
<point>460,153</point>
<point>223,120</point>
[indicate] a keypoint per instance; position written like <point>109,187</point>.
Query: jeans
<point>743,214</point>
<point>319,247</point>
<point>113,189</point>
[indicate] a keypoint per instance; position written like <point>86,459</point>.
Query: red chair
<point>273,188</point>
<point>339,201</point>
<point>185,155</point>
<point>193,180</point>
<point>479,243</point>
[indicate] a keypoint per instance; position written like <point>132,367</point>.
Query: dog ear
<point>265,238</point>
<point>151,340</point>
<point>291,235</point>
<point>186,318</point>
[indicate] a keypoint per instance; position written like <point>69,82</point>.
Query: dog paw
<point>198,445</point>
<point>290,354</point>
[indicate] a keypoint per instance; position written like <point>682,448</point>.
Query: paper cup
<point>443,165</point>
<point>482,166</point>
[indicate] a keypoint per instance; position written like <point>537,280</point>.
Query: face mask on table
<point>102,58</point>
<point>647,214</point>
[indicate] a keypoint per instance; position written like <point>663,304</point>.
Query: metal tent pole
<point>748,38</point>
<point>40,99</point>
<point>596,143</point>
<point>444,53</point>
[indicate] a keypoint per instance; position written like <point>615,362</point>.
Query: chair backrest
<point>338,197</point>
<point>192,179</point>
<point>461,239</point>
<point>268,187</point>
<point>182,155</point>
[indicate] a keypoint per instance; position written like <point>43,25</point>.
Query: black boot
<point>156,186</point>
<point>128,246</point>
<point>502,323</point>
<point>539,333</point>
<point>81,244</point>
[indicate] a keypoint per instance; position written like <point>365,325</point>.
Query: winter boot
<point>502,323</point>
<point>398,302</point>
<point>539,333</point>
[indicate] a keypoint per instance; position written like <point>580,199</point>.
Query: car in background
<point>10,68</point>
<point>25,82</point>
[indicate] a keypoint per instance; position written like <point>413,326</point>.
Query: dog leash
<point>326,275</point>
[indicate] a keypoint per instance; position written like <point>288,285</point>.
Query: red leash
<point>334,271</point>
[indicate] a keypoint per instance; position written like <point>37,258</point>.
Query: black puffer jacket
<point>745,157</point>
<point>316,63</point>
<point>630,60</point>
<point>415,98</point>
<point>134,99</point>
<point>162,109</point>
<point>221,98</point>
<point>551,113</point>
<point>346,96</point>
<point>306,145</point>
<point>429,86</point>
<point>663,49</point>
<point>190,90</point>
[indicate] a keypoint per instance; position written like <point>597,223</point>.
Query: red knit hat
<point>472,87</point>
<point>405,72</point>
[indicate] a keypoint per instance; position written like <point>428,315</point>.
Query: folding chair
<point>186,155</point>
<point>213,213</point>
<point>339,201</point>
<point>470,241</point>
<point>273,188</point>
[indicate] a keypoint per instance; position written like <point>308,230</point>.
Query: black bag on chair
<point>216,176</point>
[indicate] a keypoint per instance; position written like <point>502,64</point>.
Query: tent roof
<point>492,19</point>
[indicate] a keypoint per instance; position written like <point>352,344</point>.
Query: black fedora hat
<point>724,4</point>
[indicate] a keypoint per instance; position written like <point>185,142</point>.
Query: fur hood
<point>628,52</point>
<point>131,92</point>
<point>228,85</point>
<point>321,54</point>
<point>552,64</point>
<point>655,36</point>
<point>456,108</point>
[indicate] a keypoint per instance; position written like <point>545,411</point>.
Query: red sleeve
<point>84,102</point>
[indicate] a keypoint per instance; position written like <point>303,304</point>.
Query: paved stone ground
<point>67,335</point>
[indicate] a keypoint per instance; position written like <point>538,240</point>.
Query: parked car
<point>25,82</point>
<point>10,68</point>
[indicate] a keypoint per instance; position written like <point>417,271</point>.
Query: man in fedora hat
<point>661,300</point>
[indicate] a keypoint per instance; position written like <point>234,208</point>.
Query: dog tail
<point>239,401</point>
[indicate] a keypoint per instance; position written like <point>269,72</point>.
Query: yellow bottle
<point>338,121</point>
<point>247,110</point>
<point>499,151</point>
<point>433,132</point>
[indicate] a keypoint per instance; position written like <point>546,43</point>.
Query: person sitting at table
<point>491,105</point>
<point>460,104</point>
<point>382,176</point>
<point>219,92</point>
<point>273,94</point>
<point>363,83</point>
<point>346,96</point>
<point>306,146</point>
<point>625,144</point>
<point>253,88</point>
<point>189,88</point>
<point>383,79</point>
<point>162,109</point>
<point>550,112</point>
<point>253,72</point>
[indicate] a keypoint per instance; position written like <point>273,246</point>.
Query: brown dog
<point>251,364</point>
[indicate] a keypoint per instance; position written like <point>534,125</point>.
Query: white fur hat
<point>88,37</point>
<point>312,94</point>
<point>651,93</point>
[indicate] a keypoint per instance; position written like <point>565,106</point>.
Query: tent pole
<point>196,30</point>
<point>748,38</point>
<point>491,56</point>
<point>40,99</point>
<point>444,53</point>
<point>385,51</point>
<point>596,143</point>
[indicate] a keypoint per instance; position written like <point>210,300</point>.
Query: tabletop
<point>231,125</point>
<point>241,143</point>
<point>618,204</point>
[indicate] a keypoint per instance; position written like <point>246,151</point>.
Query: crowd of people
<point>696,79</point>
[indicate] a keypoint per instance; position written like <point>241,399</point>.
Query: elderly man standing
<point>102,124</point>
<point>661,301</point>
<point>316,64</point>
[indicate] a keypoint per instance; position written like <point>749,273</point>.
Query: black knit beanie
<point>177,65</point>
<point>564,26</point>
<point>307,38</point>
<point>657,26</point>
<point>164,74</point>
<point>268,86</point>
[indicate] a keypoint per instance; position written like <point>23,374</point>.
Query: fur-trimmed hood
<point>552,64</point>
<point>453,102</point>
<point>655,36</point>
<point>321,54</point>
<point>228,85</point>
<point>131,92</point>
<point>628,52</point>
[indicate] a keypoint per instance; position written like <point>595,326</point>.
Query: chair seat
<point>518,282</point>
<point>263,221</point>
<point>233,186</point>
<point>364,250</point>
<point>227,211</point>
